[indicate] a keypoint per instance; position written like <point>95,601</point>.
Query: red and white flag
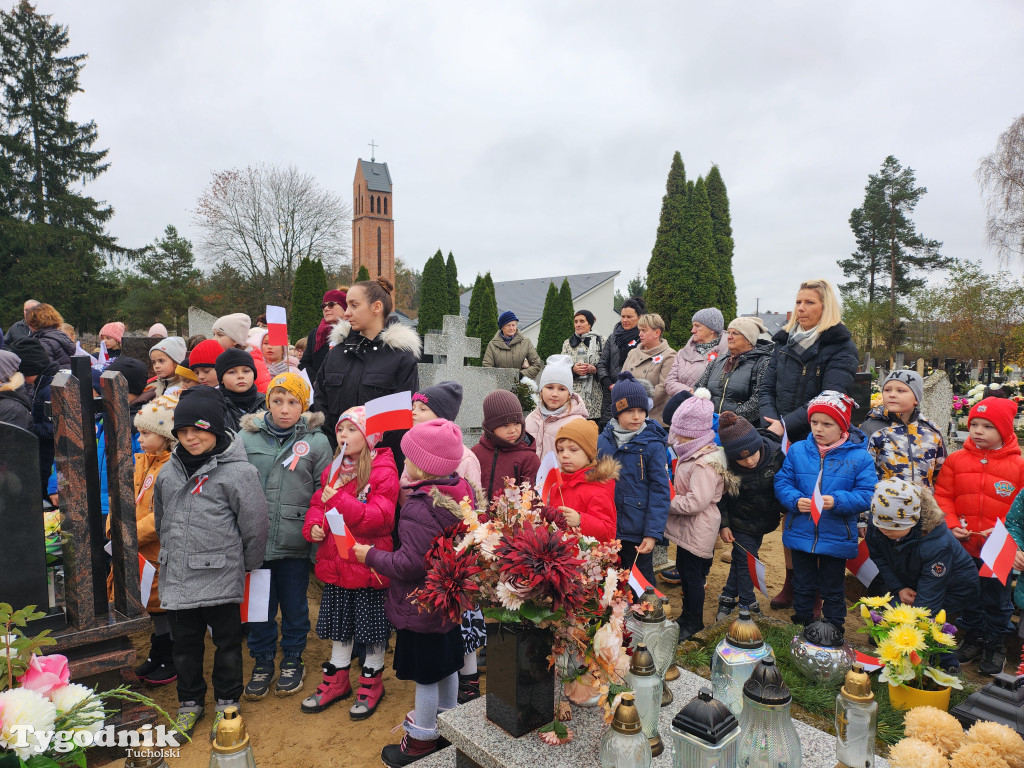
<point>146,575</point>
<point>870,663</point>
<point>998,554</point>
<point>756,568</point>
<point>343,538</point>
<point>389,412</point>
<point>862,566</point>
<point>79,352</point>
<point>549,475</point>
<point>256,603</point>
<point>817,500</point>
<point>104,356</point>
<point>639,582</point>
<point>277,326</point>
<point>336,466</point>
<point>785,439</point>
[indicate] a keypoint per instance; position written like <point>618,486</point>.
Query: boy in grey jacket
<point>211,517</point>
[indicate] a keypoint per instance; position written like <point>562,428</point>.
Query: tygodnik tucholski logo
<point>147,741</point>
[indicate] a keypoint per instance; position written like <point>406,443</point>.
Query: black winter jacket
<point>794,378</point>
<point>753,509</point>
<point>739,389</point>
<point>58,346</point>
<point>313,359</point>
<point>15,403</point>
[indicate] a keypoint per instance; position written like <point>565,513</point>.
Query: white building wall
<point>600,301</point>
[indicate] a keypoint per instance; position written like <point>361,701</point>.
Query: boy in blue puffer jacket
<point>835,452</point>
<point>642,490</point>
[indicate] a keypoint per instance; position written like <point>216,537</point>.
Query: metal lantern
<point>735,658</point>
<point>705,734</point>
<point>231,748</point>
<point>624,744</point>
<point>856,721</point>
<point>659,633</point>
<point>768,738</point>
<point>643,679</point>
<point>820,652</point>
<point>1001,701</point>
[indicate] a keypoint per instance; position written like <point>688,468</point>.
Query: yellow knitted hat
<point>293,384</point>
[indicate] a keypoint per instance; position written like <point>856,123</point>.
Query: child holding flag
<point>583,488</point>
<point>826,481</point>
<point>291,453</point>
<point>975,489</point>
<point>357,505</point>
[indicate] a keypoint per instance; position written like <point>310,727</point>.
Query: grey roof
<point>378,177</point>
<point>773,321</point>
<point>526,297</point>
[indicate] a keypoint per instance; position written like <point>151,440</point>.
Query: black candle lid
<point>823,633</point>
<point>706,717</point>
<point>766,685</point>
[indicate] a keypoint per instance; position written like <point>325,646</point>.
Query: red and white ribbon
<point>299,450</point>
<point>146,485</point>
<point>199,484</point>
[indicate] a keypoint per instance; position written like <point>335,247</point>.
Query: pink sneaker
<point>335,687</point>
<point>369,694</point>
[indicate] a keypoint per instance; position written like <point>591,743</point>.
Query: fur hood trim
<point>606,468</point>
<point>931,513</point>
<point>713,457</point>
<point>251,422</point>
<point>340,332</point>
<point>396,335</point>
<point>17,381</point>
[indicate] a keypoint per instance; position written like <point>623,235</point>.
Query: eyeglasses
<point>328,305</point>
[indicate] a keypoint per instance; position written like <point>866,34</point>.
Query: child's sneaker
<point>163,674</point>
<point>293,672</point>
<point>222,704</point>
<point>726,605</point>
<point>992,658</point>
<point>335,687</point>
<point>670,576</point>
<point>371,691</point>
<point>259,684</point>
<point>189,713</point>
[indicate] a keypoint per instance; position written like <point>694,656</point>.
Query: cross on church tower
<point>373,148</point>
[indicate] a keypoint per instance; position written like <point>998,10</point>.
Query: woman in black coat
<point>45,322</point>
<point>623,340</point>
<point>318,341</point>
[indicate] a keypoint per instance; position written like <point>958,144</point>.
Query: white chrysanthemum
<point>20,706</point>
<point>508,598</point>
<point>611,583</point>
<point>488,544</point>
<point>90,716</point>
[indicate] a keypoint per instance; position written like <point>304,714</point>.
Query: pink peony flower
<point>45,674</point>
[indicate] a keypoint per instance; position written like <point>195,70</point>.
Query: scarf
<point>803,340</point>
<point>505,445</point>
<point>623,339</point>
<point>623,436</point>
<point>574,340</point>
<point>323,333</point>
<point>686,450</point>
<point>194,463</point>
<point>823,449</point>
<point>243,401</point>
<point>281,434</point>
<point>557,412</point>
<point>507,339</point>
<point>705,347</point>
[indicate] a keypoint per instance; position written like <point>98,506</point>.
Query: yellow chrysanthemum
<point>941,637</point>
<point>907,638</point>
<point>865,613</point>
<point>901,614</point>
<point>940,617</point>
<point>877,602</point>
<point>889,653</point>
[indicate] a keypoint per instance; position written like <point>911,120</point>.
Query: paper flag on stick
<point>304,375</point>
<point>998,554</point>
<point>389,412</point>
<point>639,582</point>
<point>870,663</point>
<point>256,603</point>
<point>756,568</point>
<point>817,501</point>
<point>862,566</point>
<point>104,356</point>
<point>146,575</point>
<point>343,539</point>
<point>785,439</point>
<point>277,326</point>
<point>548,477</point>
<point>335,468</point>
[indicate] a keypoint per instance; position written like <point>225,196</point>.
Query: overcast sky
<point>534,138</point>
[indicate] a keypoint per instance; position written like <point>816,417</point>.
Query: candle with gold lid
<point>856,721</point>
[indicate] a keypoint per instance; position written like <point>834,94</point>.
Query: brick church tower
<point>373,225</point>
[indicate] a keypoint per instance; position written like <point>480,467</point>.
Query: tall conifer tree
<point>663,293</point>
<point>549,341</point>
<point>473,322</point>
<point>434,295</point>
<point>363,274</point>
<point>721,224</point>
<point>694,275</point>
<point>566,311</point>
<point>452,275</point>
<point>307,294</point>
<point>488,312</point>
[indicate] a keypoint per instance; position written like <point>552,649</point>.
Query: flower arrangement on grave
<point>975,395</point>
<point>37,696</point>
<point>961,405</point>
<point>519,562</point>
<point>909,642</point>
<point>936,739</point>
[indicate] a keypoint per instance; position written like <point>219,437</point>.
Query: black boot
<point>726,605</point>
<point>970,648</point>
<point>151,662</point>
<point>992,657</point>
<point>163,653</point>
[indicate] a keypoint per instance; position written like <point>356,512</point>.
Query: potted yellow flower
<point>910,646</point>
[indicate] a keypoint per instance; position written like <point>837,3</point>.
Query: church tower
<point>373,225</point>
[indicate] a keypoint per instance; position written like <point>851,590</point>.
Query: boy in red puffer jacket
<point>586,493</point>
<point>975,488</point>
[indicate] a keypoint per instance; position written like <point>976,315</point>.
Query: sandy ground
<point>283,735</point>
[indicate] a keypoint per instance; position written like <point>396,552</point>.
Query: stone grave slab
<point>450,348</point>
<point>137,348</point>
<point>478,743</point>
<point>200,322</point>
<point>938,401</point>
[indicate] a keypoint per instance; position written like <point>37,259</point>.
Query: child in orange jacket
<point>976,487</point>
<point>586,493</point>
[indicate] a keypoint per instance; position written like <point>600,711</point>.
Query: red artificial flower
<point>449,583</point>
<point>546,563</point>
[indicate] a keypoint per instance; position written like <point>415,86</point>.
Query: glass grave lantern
<point>821,654</point>
<point>624,744</point>
<point>856,721</point>
<point>768,738</point>
<point>659,633</point>
<point>643,679</point>
<point>231,747</point>
<point>705,734</point>
<point>735,658</point>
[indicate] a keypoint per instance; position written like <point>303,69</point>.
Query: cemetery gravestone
<point>450,348</point>
<point>200,322</point>
<point>137,348</point>
<point>937,405</point>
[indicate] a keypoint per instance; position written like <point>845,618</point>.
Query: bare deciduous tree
<point>263,220</point>
<point>1001,176</point>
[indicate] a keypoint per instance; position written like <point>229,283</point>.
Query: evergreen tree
<point>694,275</point>
<point>721,224</point>
<point>319,281</point>
<point>566,310</point>
<point>474,320</point>
<point>488,312</point>
<point>363,274</point>
<point>549,340</point>
<point>434,295</point>
<point>452,275</point>
<point>306,298</point>
<point>663,293</point>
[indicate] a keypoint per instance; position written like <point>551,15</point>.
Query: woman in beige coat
<point>510,349</point>
<point>652,360</point>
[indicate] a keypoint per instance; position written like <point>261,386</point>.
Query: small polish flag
<point>870,663</point>
<point>335,468</point>
<point>785,439</point>
<point>670,465</point>
<point>389,412</point>
<point>343,539</point>
<point>79,352</point>
<point>304,375</point>
<point>104,356</point>
<point>639,583</point>
<point>817,501</point>
<point>756,568</point>
<point>256,603</point>
<point>998,553</point>
<point>862,566</point>
<point>146,575</point>
<point>548,476</point>
<point>277,326</point>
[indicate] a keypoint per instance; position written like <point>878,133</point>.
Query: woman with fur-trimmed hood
<point>373,355</point>
<point>15,403</point>
<point>586,493</point>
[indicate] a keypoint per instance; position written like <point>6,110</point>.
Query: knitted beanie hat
<point>750,327</point>
<point>628,393</point>
<point>587,315</point>
<point>157,331</point>
<point>255,337</point>
<point>357,415</point>
<point>501,407</point>
<point>157,416</point>
<point>444,399</point>
<point>506,317</point>
<point>999,411</point>
<point>186,373</point>
<point>293,384</point>
<point>202,408</point>
<point>694,418</point>
<point>232,358</point>
<point>337,296</point>
<point>434,446</point>
<point>9,363</point>
<point>673,404</point>
<point>235,326</point>
<point>738,437</point>
<point>912,379</point>
<point>835,405</point>
<point>114,331</point>
<point>134,372</point>
<point>711,317</point>
<point>583,432</point>
<point>173,346</point>
<point>896,505</point>
<point>34,357</point>
<point>558,370</point>
<point>205,354</point>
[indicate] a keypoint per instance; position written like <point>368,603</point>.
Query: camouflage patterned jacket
<point>913,452</point>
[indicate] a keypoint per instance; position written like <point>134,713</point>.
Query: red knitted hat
<point>205,353</point>
<point>999,411</point>
<point>835,405</point>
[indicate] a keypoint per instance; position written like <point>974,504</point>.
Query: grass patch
<point>695,658</point>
